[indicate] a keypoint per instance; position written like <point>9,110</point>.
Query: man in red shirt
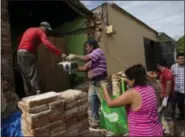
<point>167,93</point>
<point>26,55</point>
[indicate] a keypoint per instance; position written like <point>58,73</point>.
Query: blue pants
<point>94,101</point>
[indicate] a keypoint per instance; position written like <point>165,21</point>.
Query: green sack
<point>113,119</point>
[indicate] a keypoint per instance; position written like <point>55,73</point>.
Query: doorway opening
<point>25,14</point>
<point>152,54</point>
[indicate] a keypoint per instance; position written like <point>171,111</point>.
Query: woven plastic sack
<point>113,119</point>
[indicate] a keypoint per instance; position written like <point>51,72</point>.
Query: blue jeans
<point>94,101</point>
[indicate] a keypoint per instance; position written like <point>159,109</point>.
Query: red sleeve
<point>47,43</point>
<point>168,76</point>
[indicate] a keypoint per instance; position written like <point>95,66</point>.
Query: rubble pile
<point>55,114</point>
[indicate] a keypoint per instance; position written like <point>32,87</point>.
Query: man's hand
<point>70,57</point>
<point>63,56</point>
<point>165,102</point>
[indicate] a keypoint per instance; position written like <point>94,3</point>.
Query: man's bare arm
<point>82,68</point>
<point>168,87</point>
<point>82,58</point>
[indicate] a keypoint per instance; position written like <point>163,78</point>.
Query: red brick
<point>56,104</point>
<point>82,95</point>
<point>36,117</point>
<point>41,99</point>
<point>82,101</point>
<point>57,111</point>
<point>54,125</point>
<point>57,130</point>
<point>84,132</point>
<point>33,110</point>
<point>81,117</point>
<point>71,111</point>
<point>61,133</point>
<point>71,117</point>
<point>70,105</point>
<point>72,132</point>
<point>83,108</point>
<point>70,123</point>
<point>53,118</point>
<point>83,125</point>
<point>40,130</point>
<point>39,123</point>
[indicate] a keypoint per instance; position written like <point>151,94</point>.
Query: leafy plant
<point>180,44</point>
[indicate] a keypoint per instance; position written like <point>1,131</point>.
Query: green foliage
<point>180,44</point>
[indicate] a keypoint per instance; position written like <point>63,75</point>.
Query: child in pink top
<point>143,118</point>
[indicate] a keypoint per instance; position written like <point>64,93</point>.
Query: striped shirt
<point>97,65</point>
<point>178,72</point>
<point>145,121</point>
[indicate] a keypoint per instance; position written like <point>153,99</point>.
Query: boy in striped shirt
<point>96,67</point>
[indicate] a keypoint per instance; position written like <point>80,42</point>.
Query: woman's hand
<point>103,85</point>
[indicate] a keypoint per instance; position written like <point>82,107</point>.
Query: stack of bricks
<point>55,114</point>
<point>75,112</point>
<point>42,115</point>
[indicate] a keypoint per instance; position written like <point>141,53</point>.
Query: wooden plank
<point>51,77</point>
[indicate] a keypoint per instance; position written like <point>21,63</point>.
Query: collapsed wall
<point>55,114</point>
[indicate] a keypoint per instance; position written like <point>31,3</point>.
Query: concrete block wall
<point>55,114</point>
<point>7,75</point>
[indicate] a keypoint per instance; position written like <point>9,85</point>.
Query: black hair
<point>179,54</point>
<point>137,72</point>
<point>162,62</point>
<point>92,43</point>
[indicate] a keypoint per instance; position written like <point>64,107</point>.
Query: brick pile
<point>55,114</point>
<point>76,117</point>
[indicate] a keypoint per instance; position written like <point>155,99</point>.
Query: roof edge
<point>81,9</point>
<point>160,33</point>
<point>136,19</point>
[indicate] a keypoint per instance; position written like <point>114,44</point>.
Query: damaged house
<point>124,39</point>
<point>70,21</point>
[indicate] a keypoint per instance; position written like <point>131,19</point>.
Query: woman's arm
<point>124,99</point>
